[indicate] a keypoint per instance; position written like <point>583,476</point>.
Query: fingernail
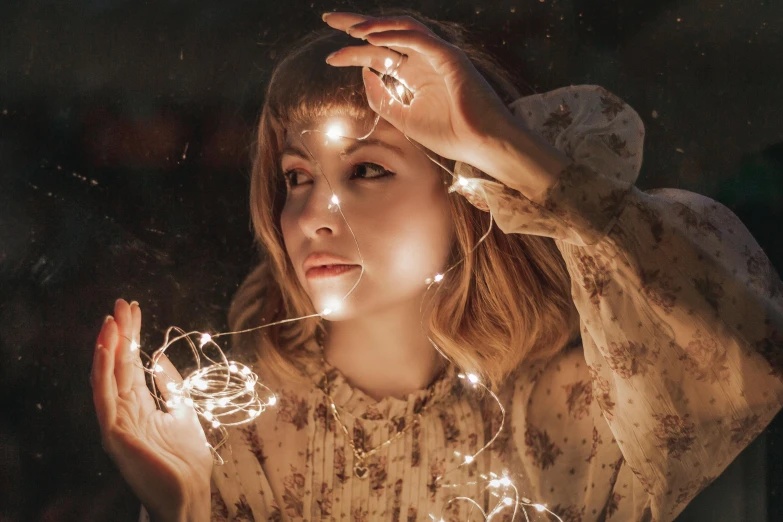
<point>330,56</point>
<point>323,16</point>
<point>100,346</point>
<point>108,318</point>
<point>135,303</point>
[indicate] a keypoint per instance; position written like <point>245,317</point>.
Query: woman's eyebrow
<point>293,150</point>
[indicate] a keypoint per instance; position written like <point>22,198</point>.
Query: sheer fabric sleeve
<point>681,311</point>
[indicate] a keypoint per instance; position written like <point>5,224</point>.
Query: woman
<point>632,337</point>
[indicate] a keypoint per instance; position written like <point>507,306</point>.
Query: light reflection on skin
<point>401,221</point>
<point>403,226</point>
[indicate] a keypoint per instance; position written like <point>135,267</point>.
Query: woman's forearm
<point>522,160</point>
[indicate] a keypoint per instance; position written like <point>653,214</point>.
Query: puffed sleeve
<point>681,311</point>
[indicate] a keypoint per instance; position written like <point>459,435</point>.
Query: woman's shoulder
<point>536,390</point>
<point>563,365</point>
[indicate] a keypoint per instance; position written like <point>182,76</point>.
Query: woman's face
<point>393,199</point>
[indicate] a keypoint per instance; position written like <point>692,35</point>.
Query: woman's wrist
<point>201,508</point>
<point>522,160</point>
<point>196,508</point>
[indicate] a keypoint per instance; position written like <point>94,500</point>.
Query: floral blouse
<point>679,367</point>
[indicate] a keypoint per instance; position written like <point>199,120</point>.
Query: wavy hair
<point>508,302</point>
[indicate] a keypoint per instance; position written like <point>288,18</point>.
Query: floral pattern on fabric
<point>679,368</point>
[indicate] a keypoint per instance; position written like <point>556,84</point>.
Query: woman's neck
<point>384,354</point>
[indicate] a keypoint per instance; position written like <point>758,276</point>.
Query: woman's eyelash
<point>290,174</point>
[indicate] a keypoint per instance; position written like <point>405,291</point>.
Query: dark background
<point>124,134</point>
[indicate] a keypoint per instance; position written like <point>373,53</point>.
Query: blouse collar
<point>329,380</point>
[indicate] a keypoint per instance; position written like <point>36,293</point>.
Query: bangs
<point>305,89</point>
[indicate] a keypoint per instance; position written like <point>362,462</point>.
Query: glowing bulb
<point>171,386</point>
<point>334,131</point>
<point>388,63</point>
<point>332,305</point>
<point>334,203</point>
<point>400,89</point>
<point>233,399</point>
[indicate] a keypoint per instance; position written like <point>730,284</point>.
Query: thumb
<point>165,375</point>
<point>381,100</point>
<point>170,375</point>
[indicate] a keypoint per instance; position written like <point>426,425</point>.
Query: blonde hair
<point>507,302</point>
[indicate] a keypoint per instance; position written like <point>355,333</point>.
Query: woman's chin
<point>332,308</point>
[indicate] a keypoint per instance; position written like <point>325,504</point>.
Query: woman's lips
<point>318,272</point>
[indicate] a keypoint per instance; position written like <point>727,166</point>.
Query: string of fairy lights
<point>227,393</point>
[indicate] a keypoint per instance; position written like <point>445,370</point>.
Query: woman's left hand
<point>454,112</point>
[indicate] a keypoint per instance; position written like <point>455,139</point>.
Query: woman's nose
<point>320,213</point>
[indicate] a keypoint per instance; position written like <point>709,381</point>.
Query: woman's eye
<point>359,171</point>
<point>291,177</point>
<point>362,169</point>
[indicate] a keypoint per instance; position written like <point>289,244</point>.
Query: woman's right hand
<point>163,456</point>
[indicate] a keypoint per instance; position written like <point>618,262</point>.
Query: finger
<point>388,23</point>
<point>342,20</point>
<point>400,40</point>
<point>167,374</point>
<point>104,390</point>
<point>382,101</point>
<point>143,396</point>
<point>378,58</point>
<point>108,338</point>
<point>124,359</point>
<point>138,375</point>
<point>102,397</point>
